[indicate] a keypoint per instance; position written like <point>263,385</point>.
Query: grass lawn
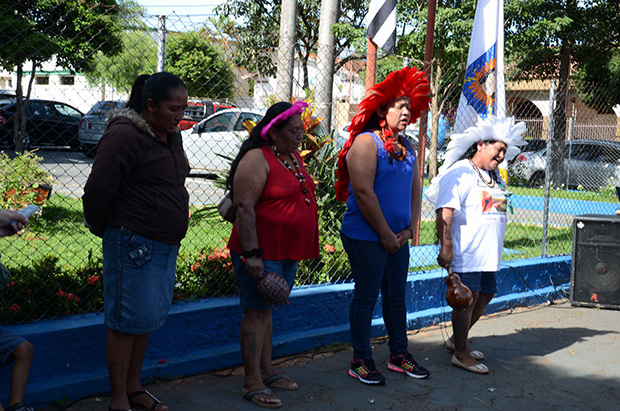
<point>60,232</point>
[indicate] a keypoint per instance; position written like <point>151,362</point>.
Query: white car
<point>216,137</point>
<point>591,164</point>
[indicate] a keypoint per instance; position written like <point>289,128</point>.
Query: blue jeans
<point>373,269</point>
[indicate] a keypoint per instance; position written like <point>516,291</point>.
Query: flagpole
<point>428,66</point>
<point>371,64</point>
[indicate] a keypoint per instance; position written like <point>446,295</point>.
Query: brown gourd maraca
<point>458,295</point>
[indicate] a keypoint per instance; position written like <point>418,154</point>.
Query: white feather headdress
<point>501,129</point>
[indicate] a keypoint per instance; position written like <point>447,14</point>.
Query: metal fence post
<point>161,44</point>
<point>548,169</point>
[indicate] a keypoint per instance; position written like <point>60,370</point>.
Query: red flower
<point>11,284</point>
<point>219,254</point>
<point>72,297</point>
<point>93,279</point>
<point>60,293</point>
<point>14,308</point>
<point>389,145</point>
<point>329,248</point>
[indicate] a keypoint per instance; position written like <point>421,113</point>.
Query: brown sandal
<point>134,406</point>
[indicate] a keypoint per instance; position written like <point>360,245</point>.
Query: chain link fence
<point>56,263</point>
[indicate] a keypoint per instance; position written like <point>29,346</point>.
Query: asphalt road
<point>72,168</point>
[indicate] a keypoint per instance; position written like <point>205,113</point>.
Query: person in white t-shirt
<point>471,203</point>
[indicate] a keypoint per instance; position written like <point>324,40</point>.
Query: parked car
<point>94,123</point>
<point>7,94</point>
<point>198,110</point>
<point>218,135</point>
<point>48,123</point>
<point>534,144</point>
<point>590,164</point>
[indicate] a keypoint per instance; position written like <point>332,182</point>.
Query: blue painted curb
<point>69,359</point>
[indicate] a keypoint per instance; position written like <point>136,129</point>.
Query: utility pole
<point>325,61</point>
<point>286,50</point>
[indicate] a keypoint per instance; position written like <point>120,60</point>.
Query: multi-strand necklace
<point>296,172</point>
<point>490,183</point>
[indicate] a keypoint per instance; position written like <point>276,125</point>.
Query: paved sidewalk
<point>541,358</point>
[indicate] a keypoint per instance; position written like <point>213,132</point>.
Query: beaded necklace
<point>491,182</point>
<point>502,187</point>
<point>296,172</point>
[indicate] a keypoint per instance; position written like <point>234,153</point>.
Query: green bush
<point>43,289</point>
<point>22,181</point>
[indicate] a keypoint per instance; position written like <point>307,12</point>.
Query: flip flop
<point>250,396</point>
<point>134,406</point>
<point>477,368</point>
<point>476,355</point>
<point>273,382</point>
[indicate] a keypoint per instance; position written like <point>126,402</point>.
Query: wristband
<point>256,252</point>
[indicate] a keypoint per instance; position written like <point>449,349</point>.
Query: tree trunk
<point>18,131</point>
<point>435,113</point>
<point>559,116</point>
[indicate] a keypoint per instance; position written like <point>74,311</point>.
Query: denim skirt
<point>249,298</point>
<point>8,344</point>
<point>138,281</point>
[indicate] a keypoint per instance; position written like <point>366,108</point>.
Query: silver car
<point>93,125</point>
<point>590,164</point>
<point>216,137</point>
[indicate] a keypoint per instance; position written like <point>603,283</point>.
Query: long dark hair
<point>157,87</point>
<point>255,140</point>
<point>471,152</point>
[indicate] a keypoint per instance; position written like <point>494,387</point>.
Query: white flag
<point>484,90</point>
<point>382,23</point>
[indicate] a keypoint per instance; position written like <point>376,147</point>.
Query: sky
<point>194,8</point>
<point>181,15</point>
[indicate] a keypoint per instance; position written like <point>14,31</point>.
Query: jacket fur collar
<point>135,118</point>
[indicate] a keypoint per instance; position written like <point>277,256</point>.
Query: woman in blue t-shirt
<point>378,180</point>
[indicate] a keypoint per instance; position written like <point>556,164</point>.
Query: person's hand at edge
<point>6,218</point>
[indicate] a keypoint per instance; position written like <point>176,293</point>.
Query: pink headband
<point>297,108</point>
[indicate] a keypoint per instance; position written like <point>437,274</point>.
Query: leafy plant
<point>22,181</point>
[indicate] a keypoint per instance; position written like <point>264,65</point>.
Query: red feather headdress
<point>407,82</point>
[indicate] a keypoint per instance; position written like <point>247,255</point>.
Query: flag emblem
<point>480,84</point>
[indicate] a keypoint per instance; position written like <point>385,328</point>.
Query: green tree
<point>201,65</point>
<point>72,31</point>
<point>546,38</point>
<point>453,26</point>
<point>138,56</point>
<point>257,37</point>
<point>598,82</point>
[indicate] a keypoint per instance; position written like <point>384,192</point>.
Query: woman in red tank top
<point>275,227</point>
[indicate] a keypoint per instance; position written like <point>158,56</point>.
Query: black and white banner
<point>382,23</point>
